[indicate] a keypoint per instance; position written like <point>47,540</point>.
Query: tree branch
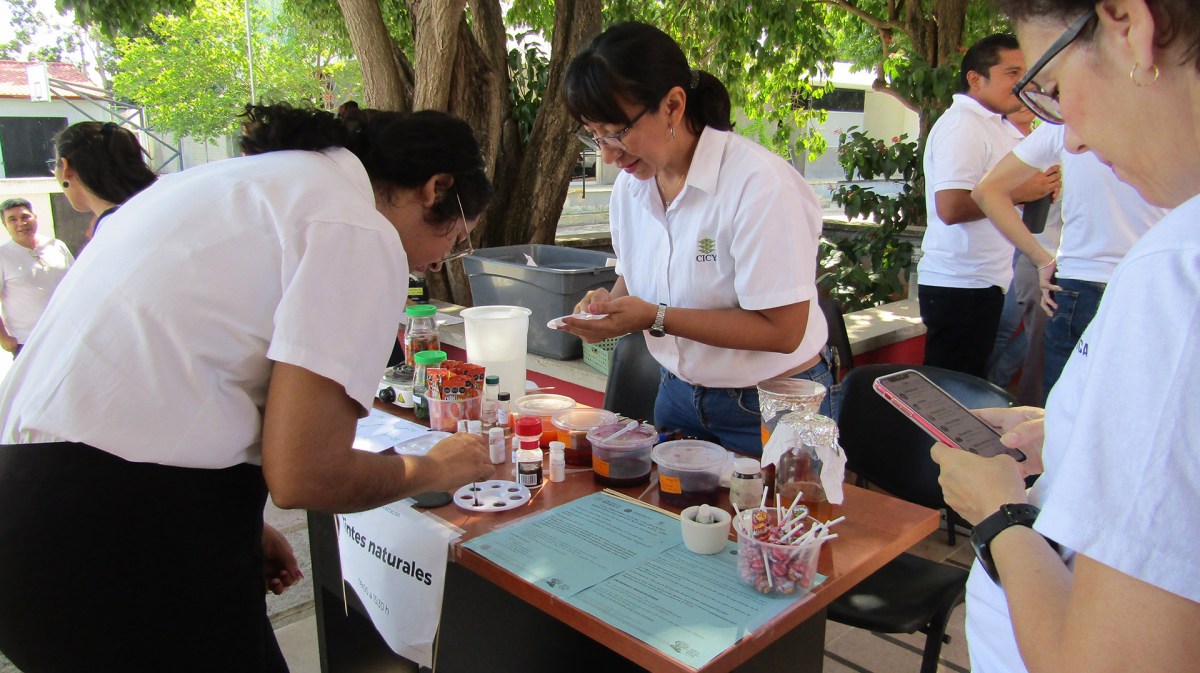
<point>869,18</point>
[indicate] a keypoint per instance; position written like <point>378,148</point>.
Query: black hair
<point>106,158</point>
<point>639,64</point>
<point>1173,19</point>
<point>983,55</point>
<point>17,202</point>
<point>398,149</point>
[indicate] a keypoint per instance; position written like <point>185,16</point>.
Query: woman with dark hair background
<point>220,340</point>
<point>716,238</point>
<point>100,166</point>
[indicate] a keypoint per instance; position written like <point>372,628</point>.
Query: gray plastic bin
<point>550,289</point>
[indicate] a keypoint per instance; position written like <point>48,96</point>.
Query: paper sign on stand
<point>395,560</point>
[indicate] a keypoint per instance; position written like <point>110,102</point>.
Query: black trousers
<point>109,565</point>
<point>960,326</point>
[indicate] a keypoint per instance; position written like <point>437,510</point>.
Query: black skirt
<point>110,565</point>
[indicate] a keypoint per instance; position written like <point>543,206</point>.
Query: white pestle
<point>704,514</point>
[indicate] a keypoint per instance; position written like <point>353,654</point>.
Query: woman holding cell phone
<point>715,236</point>
<point>1093,569</point>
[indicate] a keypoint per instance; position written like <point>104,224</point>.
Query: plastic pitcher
<point>497,338</point>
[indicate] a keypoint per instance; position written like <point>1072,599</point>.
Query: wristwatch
<point>658,329</point>
<point>985,531</point>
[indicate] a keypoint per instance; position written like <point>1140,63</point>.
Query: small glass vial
<point>746,484</point>
<point>421,333</point>
<point>558,461</point>
<point>504,412</point>
<point>423,361</point>
<point>491,400</point>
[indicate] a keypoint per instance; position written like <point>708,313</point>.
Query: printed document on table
<point>577,545</point>
<point>689,606</point>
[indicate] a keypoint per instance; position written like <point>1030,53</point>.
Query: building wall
<point>23,107</point>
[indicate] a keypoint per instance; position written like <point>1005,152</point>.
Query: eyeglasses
<point>1043,104</point>
<point>612,141</point>
<point>52,165</point>
<point>462,242</point>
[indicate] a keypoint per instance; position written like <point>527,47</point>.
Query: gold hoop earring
<point>1133,76</point>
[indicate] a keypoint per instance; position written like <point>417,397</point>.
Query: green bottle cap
<point>430,358</point>
<point>421,310</point>
<point>491,379</point>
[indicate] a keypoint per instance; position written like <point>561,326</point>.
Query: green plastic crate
<point>599,355</point>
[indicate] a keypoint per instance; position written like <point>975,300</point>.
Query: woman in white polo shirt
<point>715,236</point>
<point>223,336</point>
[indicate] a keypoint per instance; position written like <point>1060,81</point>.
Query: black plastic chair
<point>839,339</point>
<point>632,379</point>
<point>885,448</point>
<point>882,446</point>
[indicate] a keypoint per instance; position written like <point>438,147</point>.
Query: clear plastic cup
<point>771,568</point>
<point>623,460</point>
<point>777,397</point>
<point>572,426</point>
<point>689,472</point>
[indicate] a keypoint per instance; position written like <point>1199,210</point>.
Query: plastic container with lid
<point>572,427</point>
<point>746,484</point>
<point>623,460</point>
<point>421,334</point>
<point>423,360</point>
<point>689,472</point>
<point>544,407</point>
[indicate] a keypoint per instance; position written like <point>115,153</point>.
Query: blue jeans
<point>729,416</point>
<point>1077,305</point>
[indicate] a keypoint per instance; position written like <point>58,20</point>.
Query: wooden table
<point>493,620</point>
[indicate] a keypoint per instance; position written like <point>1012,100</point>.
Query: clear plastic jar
<point>746,484</point>
<point>421,333</point>
<point>423,360</point>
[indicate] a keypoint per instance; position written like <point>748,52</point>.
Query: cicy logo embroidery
<point>706,247</point>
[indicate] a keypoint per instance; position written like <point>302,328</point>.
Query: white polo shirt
<point>1122,446</point>
<point>742,233</point>
<point>158,347</point>
<point>1102,216</point>
<point>964,144</point>
<point>28,277</point>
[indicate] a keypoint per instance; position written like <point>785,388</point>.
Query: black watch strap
<point>1003,519</point>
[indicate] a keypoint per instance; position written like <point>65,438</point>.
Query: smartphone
<point>940,415</point>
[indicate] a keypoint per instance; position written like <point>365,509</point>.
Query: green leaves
<point>192,72</point>
<point>865,269</point>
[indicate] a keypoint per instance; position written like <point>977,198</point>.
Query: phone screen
<point>941,415</point>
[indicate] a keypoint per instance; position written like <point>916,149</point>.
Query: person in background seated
<point>715,236</point>
<point>100,166</point>
<point>31,267</point>
<point>1094,569</point>
<point>966,265</point>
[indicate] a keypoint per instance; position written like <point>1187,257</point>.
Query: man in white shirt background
<point>966,264</point>
<point>31,267</point>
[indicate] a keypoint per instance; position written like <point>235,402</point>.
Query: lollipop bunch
<point>778,549</point>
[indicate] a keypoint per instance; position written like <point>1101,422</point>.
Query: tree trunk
<point>540,186</point>
<point>951,21</point>
<point>436,41</point>
<point>383,69</point>
<point>463,70</point>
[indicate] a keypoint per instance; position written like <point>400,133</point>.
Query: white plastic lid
<point>496,432</point>
<point>542,404</point>
<point>557,447</point>
<point>689,455</point>
<point>747,466</point>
